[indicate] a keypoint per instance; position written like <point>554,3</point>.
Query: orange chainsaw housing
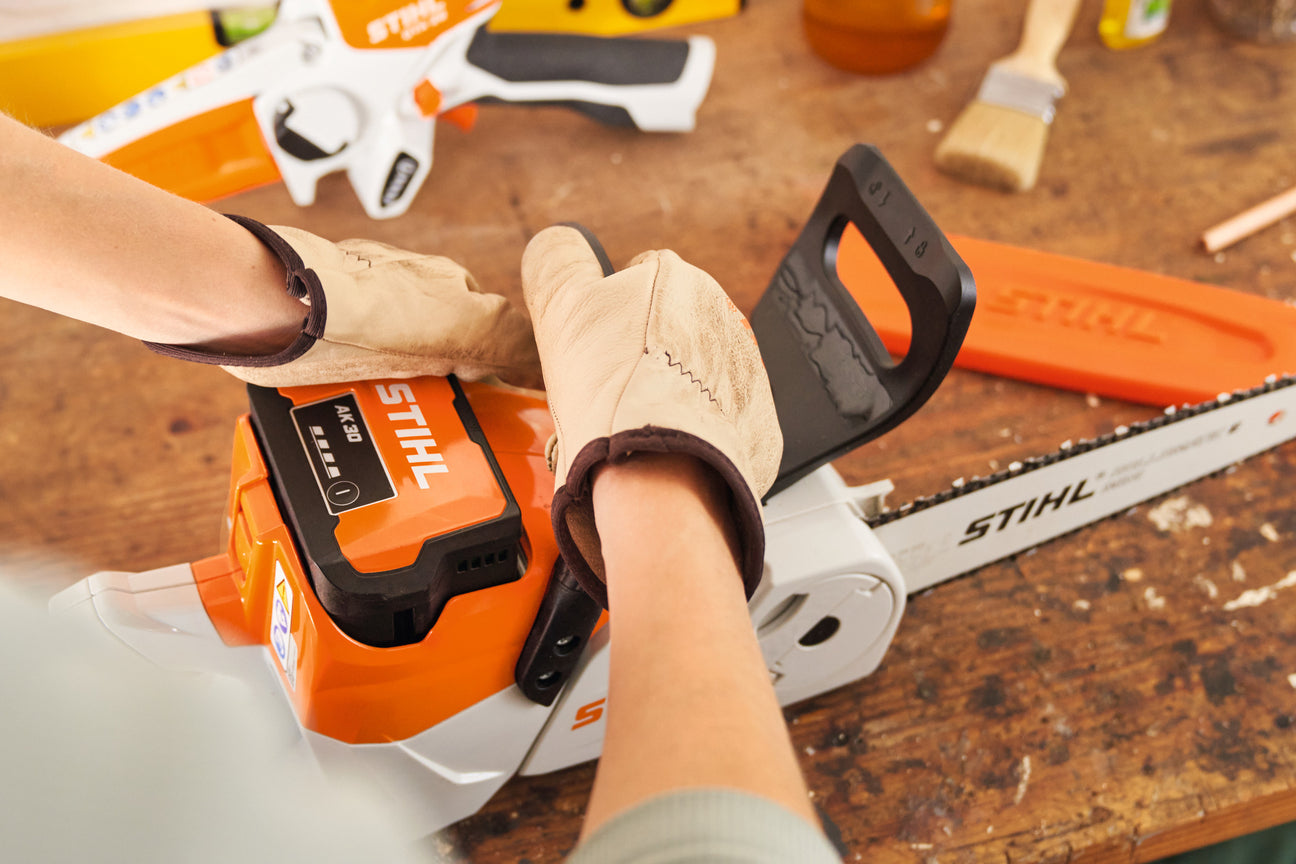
<point>339,685</point>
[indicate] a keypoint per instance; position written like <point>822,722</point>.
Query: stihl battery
<point>394,497</point>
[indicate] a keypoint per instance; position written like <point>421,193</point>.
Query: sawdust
<point>1025,779</point>
<point>1257,596</point>
<point>1239,575</point>
<point>1206,585</point>
<point>1179,514</point>
<point>1153,600</point>
<point>1269,532</point>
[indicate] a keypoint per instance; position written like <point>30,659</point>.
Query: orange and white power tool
<point>390,565</point>
<point>356,85</point>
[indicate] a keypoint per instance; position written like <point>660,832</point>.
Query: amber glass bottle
<point>875,36</point>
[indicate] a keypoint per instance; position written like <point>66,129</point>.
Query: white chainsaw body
<point>825,612</point>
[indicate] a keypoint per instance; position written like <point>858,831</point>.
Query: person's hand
<point>655,358</point>
<point>375,311</point>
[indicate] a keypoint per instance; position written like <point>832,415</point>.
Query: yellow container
<point>607,17</point>
<point>60,79</point>
<point>64,78</point>
<point>1131,23</point>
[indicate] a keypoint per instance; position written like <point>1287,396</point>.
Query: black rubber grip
<point>835,386</point>
<point>562,626</point>
<point>608,115</point>
<point>564,57</point>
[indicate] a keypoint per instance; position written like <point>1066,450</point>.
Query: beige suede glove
<point>375,311</point>
<point>654,358</point>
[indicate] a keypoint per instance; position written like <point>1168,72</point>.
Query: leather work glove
<point>655,358</point>
<point>375,311</point>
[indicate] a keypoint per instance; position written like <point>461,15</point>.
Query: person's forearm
<point>689,701</point>
<point>87,241</point>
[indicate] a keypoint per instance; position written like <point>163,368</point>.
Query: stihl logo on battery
<point>1024,510</point>
<point>416,437</point>
<point>408,21</point>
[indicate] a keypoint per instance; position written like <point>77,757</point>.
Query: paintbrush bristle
<point>999,138</point>
<point>994,146</point>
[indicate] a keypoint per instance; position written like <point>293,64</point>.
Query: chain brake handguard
<point>834,384</point>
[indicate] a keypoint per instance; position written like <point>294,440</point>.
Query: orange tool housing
<point>209,156</point>
<point>364,693</point>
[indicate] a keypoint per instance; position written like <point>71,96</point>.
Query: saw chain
<point>984,519</point>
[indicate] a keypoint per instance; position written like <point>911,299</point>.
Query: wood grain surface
<point>1099,699</point>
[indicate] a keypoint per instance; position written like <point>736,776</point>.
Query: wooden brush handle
<point>1048,23</point>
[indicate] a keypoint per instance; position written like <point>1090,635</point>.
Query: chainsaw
<point>357,86</point>
<point>390,567</point>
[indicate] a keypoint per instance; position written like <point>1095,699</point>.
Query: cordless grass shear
<point>356,85</point>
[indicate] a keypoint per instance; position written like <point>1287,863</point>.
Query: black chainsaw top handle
<point>835,385</point>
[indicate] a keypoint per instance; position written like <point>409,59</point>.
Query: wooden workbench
<point>1092,701</point>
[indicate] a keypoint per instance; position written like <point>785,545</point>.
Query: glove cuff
<point>573,505</point>
<point>301,282</point>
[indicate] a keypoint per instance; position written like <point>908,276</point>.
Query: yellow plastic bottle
<point>1131,23</point>
<point>875,36</point>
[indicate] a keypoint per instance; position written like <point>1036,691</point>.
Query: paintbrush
<point>999,138</point>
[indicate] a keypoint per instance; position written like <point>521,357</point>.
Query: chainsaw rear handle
<point>834,384</point>
<point>567,614</point>
<point>563,624</point>
<point>654,85</point>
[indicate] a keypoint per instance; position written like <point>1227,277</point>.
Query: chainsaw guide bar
<point>975,522</point>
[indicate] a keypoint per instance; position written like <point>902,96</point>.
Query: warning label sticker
<point>281,638</point>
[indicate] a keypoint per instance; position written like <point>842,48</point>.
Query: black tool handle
<point>562,626</point>
<point>607,79</point>
<point>835,386</point>
<point>567,614</point>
